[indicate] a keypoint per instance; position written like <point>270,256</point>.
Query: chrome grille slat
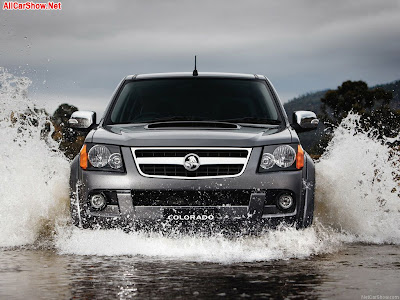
<point>203,160</point>
<point>182,152</point>
<point>169,162</point>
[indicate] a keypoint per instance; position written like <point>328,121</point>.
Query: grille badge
<point>191,162</point>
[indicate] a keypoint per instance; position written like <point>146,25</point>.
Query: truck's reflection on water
<point>42,274</point>
<point>128,277</point>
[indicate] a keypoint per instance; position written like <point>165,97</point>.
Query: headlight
<point>267,161</point>
<point>276,158</point>
<point>115,161</point>
<point>98,156</point>
<point>101,157</point>
<point>284,156</point>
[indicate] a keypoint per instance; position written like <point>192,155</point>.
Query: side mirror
<point>82,120</point>
<point>304,120</point>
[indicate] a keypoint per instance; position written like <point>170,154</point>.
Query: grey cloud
<point>85,49</point>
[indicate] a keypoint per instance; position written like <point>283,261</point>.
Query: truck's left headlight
<point>101,157</point>
<point>284,156</point>
<point>281,157</point>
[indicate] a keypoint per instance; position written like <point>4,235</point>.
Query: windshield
<point>195,99</point>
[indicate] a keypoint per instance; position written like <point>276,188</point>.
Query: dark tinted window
<point>194,99</point>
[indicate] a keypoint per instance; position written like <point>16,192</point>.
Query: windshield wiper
<point>252,120</point>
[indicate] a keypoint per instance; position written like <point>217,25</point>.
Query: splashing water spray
<point>34,173</point>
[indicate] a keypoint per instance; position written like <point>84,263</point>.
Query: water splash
<point>357,190</point>
<point>34,174</point>
<point>283,243</point>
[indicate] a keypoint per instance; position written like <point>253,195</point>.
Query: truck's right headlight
<point>101,157</point>
<point>98,156</point>
<point>276,158</point>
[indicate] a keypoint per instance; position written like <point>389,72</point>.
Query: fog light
<point>285,201</point>
<point>98,201</point>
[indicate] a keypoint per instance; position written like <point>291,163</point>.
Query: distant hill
<point>312,101</point>
<point>309,101</point>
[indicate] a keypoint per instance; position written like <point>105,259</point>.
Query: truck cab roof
<point>190,74</point>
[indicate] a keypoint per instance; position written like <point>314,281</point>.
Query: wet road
<point>354,271</point>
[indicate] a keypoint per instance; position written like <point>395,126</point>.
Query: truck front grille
<point>170,162</point>
<point>176,170</point>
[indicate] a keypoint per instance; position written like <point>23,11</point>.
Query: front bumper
<point>255,209</point>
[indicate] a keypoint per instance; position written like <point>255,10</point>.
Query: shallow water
<point>355,270</point>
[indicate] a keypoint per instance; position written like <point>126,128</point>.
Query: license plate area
<point>190,214</point>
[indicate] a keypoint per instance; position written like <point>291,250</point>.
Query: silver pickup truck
<point>181,150</point>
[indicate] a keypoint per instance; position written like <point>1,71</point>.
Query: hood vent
<point>192,124</point>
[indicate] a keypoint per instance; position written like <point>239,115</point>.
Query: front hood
<point>139,136</point>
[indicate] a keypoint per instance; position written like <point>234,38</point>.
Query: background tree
<point>373,105</point>
<point>353,96</point>
<point>71,140</point>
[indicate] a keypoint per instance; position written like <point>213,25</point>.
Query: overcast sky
<point>79,54</point>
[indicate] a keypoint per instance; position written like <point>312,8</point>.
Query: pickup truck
<point>181,150</point>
